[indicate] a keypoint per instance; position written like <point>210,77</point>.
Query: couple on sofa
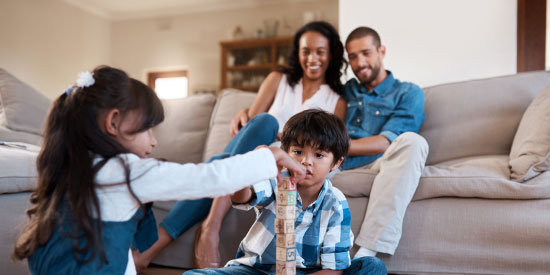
<point>382,115</point>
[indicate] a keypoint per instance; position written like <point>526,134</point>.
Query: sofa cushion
<point>182,135</point>
<point>18,136</point>
<point>479,177</point>
<point>530,153</point>
<point>22,108</point>
<point>229,103</point>
<point>479,117</point>
<point>18,169</point>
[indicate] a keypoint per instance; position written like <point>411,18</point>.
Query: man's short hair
<point>318,129</point>
<point>361,32</point>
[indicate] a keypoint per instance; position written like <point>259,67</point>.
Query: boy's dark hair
<point>319,129</point>
<point>333,74</point>
<point>361,32</point>
<point>65,165</point>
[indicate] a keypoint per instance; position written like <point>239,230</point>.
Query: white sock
<point>363,251</point>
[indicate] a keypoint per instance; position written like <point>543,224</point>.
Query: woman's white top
<point>154,180</point>
<point>288,101</point>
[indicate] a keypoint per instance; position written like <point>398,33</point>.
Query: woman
<point>311,80</point>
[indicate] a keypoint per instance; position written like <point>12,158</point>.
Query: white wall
<point>46,43</point>
<point>547,55</point>
<point>433,41</point>
<point>192,40</point>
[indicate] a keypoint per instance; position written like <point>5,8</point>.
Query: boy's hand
<point>297,170</point>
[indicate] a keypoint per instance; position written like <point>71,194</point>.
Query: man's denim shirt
<point>390,109</point>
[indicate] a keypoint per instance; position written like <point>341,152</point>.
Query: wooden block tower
<point>284,227</point>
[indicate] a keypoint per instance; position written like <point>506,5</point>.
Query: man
<point>382,118</point>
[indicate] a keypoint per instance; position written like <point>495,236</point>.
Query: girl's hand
<point>238,122</point>
<point>297,170</point>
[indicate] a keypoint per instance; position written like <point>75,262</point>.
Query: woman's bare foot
<point>207,254</point>
<point>143,259</point>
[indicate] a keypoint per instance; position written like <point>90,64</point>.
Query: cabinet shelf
<point>250,67</point>
<point>264,55</point>
<point>247,88</point>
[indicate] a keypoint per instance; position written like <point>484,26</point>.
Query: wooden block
<point>284,226</point>
<point>286,254</point>
<point>285,268</point>
<point>286,240</point>
<point>285,197</point>
<point>286,184</point>
<point>286,212</point>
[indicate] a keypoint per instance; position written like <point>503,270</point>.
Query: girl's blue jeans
<point>260,130</point>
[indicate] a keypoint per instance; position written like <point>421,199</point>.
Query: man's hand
<point>238,122</point>
<point>368,146</point>
<point>297,170</point>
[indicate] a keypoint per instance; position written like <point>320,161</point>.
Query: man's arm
<point>368,146</point>
<point>407,116</point>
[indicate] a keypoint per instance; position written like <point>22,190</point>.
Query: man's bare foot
<point>207,254</point>
<point>140,260</point>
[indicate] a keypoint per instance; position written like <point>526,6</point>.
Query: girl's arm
<point>261,103</point>
<point>153,180</point>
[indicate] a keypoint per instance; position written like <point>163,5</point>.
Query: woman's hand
<point>238,122</point>
<point>297,170</point>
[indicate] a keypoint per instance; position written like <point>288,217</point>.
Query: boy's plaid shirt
<point>323,233</point>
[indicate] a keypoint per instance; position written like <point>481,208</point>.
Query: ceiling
<point>132,9</point>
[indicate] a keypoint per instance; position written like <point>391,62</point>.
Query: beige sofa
<point>467,216</point>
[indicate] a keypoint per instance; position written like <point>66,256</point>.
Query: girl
<point>94,176</point>
<point>312,80</point>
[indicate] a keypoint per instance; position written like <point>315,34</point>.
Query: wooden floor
<point>161,270</point>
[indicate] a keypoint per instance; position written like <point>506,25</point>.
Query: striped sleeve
<point>264,195</point>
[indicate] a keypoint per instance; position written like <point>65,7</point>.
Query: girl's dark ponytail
<point>66,174</point>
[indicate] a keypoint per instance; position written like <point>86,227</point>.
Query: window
<point>169,85</point>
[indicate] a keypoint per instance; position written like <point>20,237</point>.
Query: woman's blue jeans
<point>260,130</point>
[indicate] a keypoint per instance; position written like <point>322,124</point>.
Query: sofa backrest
<point>22,110</point>
<point>477,117</point>
<point>182,136</point>
<point>229,103</point>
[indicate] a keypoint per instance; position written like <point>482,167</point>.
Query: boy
<point>319,141</point>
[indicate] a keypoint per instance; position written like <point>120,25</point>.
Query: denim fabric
<point>260,130</point>
<point>229,270</point>
<point>366,266</point>
<point>361,266</point>
<point>390,109</point>
<point>57,256</point>
<point>147,233</point>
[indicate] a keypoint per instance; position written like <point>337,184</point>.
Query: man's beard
<point>375,71</point>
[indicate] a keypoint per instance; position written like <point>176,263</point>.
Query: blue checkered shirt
<point>323,233</point>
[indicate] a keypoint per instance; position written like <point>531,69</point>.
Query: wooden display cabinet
<point>245,63</point>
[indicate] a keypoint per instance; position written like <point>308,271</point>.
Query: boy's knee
<point>193,272</point>
<point>368,265</point>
